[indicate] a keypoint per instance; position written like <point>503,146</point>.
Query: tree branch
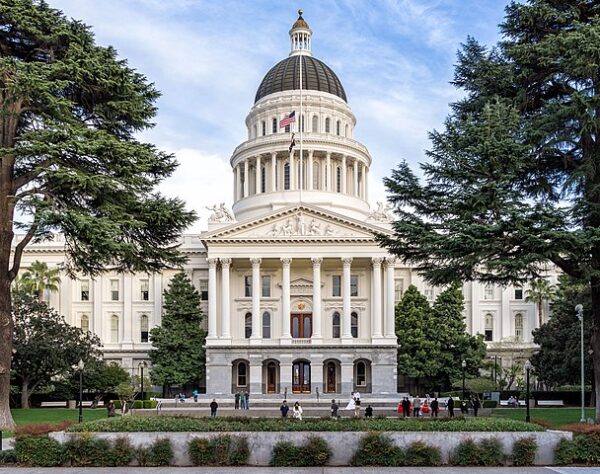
<point>567,266</point>
<point>12,274</point>
<point>29,176</point>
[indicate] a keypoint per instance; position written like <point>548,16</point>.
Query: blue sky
<point>394,57</point>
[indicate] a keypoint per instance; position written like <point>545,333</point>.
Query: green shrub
<point>419,454</point>
<point>161,453</point>
<point>39,451</point>
<point>224,450</point>
<point>587,448</point>
<point>122,452</point>
<point>85,450</point>
<point>314,452</point>
<point>151,404</point>
<point>523,453</point>
<point>137,404</point>
<point>8,456</point>
<point>489,404</point>
<point>564,452</point>
<point>141,454</point>
<point>377,449</point>
<point>117,404</point>
<point>466,453</point>
<point>491,452</point>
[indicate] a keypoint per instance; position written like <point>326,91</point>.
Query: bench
<point>54,404</point>
<point>550,403</point>
<point>504,403</point>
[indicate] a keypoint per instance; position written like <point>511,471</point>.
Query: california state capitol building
<point>298,296</point>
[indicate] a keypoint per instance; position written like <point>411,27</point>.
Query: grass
<point>52,416</point>
<point>164,423</point>
<point>550,417</point>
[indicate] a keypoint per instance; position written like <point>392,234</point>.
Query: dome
<point>317,76</point>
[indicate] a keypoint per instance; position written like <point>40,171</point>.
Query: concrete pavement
<point>313,470</point>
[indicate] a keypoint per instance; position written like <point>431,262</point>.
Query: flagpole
<point>301,126</point>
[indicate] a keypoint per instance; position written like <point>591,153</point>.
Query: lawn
<point>555,417</point>
<point>54,416</point>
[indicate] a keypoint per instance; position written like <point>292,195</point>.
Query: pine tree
<point>178,355</point>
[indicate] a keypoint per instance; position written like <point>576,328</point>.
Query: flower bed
<point>180,424</point>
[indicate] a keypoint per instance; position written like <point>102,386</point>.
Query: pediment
<point>298,223</point>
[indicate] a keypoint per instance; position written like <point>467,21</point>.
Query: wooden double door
<point>301,377</point>
<point>301,325</point>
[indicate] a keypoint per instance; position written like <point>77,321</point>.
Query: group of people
<point>432,407</point>
<point>353,404</point>
<point>296,410</point>
<point>242,400</point>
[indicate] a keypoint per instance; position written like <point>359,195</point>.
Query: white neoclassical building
<point>298,295</point>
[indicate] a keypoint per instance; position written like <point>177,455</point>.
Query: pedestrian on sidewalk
<point>416,407</point>
<point>475,403</point>
<point>213,408</point>
<point>297,411</point>
<point>284,408</point>
<point>236,405</point>
<point>247,397</point>
<point>369,411</point>
<point>435,407</point>
<point>195,394</point>
<point>242,401</point>
<point>334,409</point>
<point>450,406</point>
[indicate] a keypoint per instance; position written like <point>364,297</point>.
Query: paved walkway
<point>315,470</point>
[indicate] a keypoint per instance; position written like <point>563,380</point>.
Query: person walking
<point>357,404</point>
<point>284,408</point>
<point>297,411</point>
<point>213,408</point>
<point>195,394</point>
<point>334,409</point>
<point>464,408</point>
<point>405,407</point>
<point>236,404</point>
<point>242,401</point>
<point>450,406</point>
<point>110,408</point>
<point>416,407</point>
<point>369,411</point>
<point>475,403</point>
<point>247,397</point>
<point>435,407</point>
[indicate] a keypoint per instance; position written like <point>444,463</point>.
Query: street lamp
<point>579,312</point>
<point>80,367</point>
<point>142,365</point>
<point>463,364</point>
<point>527,370</point>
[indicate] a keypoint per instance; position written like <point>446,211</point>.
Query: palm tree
<point>541,290</point>
<point>39,279</point>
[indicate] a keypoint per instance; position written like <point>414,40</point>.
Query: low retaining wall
<point>342,443</point>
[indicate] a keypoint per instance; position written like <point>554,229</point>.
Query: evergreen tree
<point>70,162</point>
<point>178,356</point>
<point>513,182</point>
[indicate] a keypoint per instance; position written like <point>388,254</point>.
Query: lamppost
<point>463,364</point>
<point>80,367</point>
<point>142,365</point>
<point>527,370</point>
<point>579,312</point>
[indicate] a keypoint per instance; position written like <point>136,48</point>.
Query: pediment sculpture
<point>382,213</point>
<point>220,213</point>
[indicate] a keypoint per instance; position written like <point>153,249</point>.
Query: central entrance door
<point>301,324</point>
<point>331,382</point>
<point>271,378</point>
<point>301,377</point>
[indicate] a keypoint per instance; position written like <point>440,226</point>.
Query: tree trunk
<point>540,313</point>
<point>595,339</point>
<point>6,329</point>
<point>25,394</point>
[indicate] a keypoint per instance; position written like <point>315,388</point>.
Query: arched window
<point>518,327</point>
<point>302,123</point>
<point>85,323</point>
<point>263,179</point>
<point>327,126</point>
<point>307,327</point>
<point>338,179</point>
<point>354,324</point>
<point>248,325</point>
<point>274,125</point>
<point>489,327</point>
<point>361,373</point>
<point>266,323</point>
<point>315,123</point>
<point>286,176</point>
<point>335,325</point>
<point>346,130</point>
<point>264,128</point>
<point>338,127</point>
<point>255,133</point>
<point>143,328</point>
<point>114,328</point>
<point>316,177</point>
<point>242,374</point>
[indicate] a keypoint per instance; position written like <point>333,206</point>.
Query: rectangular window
<point>489,327</point>
<point>85,290</point>
<point>428,292</point>
<point>336,285</point>
<point>266,286</point>
<point>203,284</point>
<point>353,285</point>
<point>518,293</point>
<point>248,286</point>
<point>398,289</point>
<point>145,290</point>
<point>114,290</point>
<point>264,128</point>
<point>488,292</point>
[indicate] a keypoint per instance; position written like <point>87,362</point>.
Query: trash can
<point>72,404</point>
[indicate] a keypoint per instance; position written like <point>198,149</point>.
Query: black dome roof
<point>284,76</point>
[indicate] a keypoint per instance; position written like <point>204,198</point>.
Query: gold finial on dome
<point>300,22</point>
<point>300,12</point>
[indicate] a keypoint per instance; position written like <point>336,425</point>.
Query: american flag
<point>289,119</point>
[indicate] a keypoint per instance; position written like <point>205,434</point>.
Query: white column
<point>377,316</point>
<point>273,172</point>
<point>343,174</point>
<point>98,316</point>
<point>346,327</point>
<point>309,171</point>
<point>390,319</point>
<point>256,289</point>
<point>257,175</point>
<point>292,168</point>
<point>238,183</point>
<point>316,261</point>
<point>225,311</point>
<point>212,298</point>
<point>366,178</point>
<point>285,298</point>
<point>157,298</point>
<point>355,181</point>
<point>246,179</point>
<point>328,172</point>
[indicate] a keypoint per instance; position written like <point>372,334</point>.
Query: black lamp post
<point>142,365</point>
<point>463,365</point>
<point>527,370</point>
<point>80,367</point>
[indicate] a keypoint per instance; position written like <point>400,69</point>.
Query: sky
<point>394,58</point>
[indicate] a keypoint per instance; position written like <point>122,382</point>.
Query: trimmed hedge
<point>489,404</point>
<point>163,423</point>
<point>487,453</point>
<point>222,450</point>
<point>377,449</point>
<point>583,449</point>
<point>8,456</point>
<point>39,451</point>
<point>314,452</point>
<point>523,453</point>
